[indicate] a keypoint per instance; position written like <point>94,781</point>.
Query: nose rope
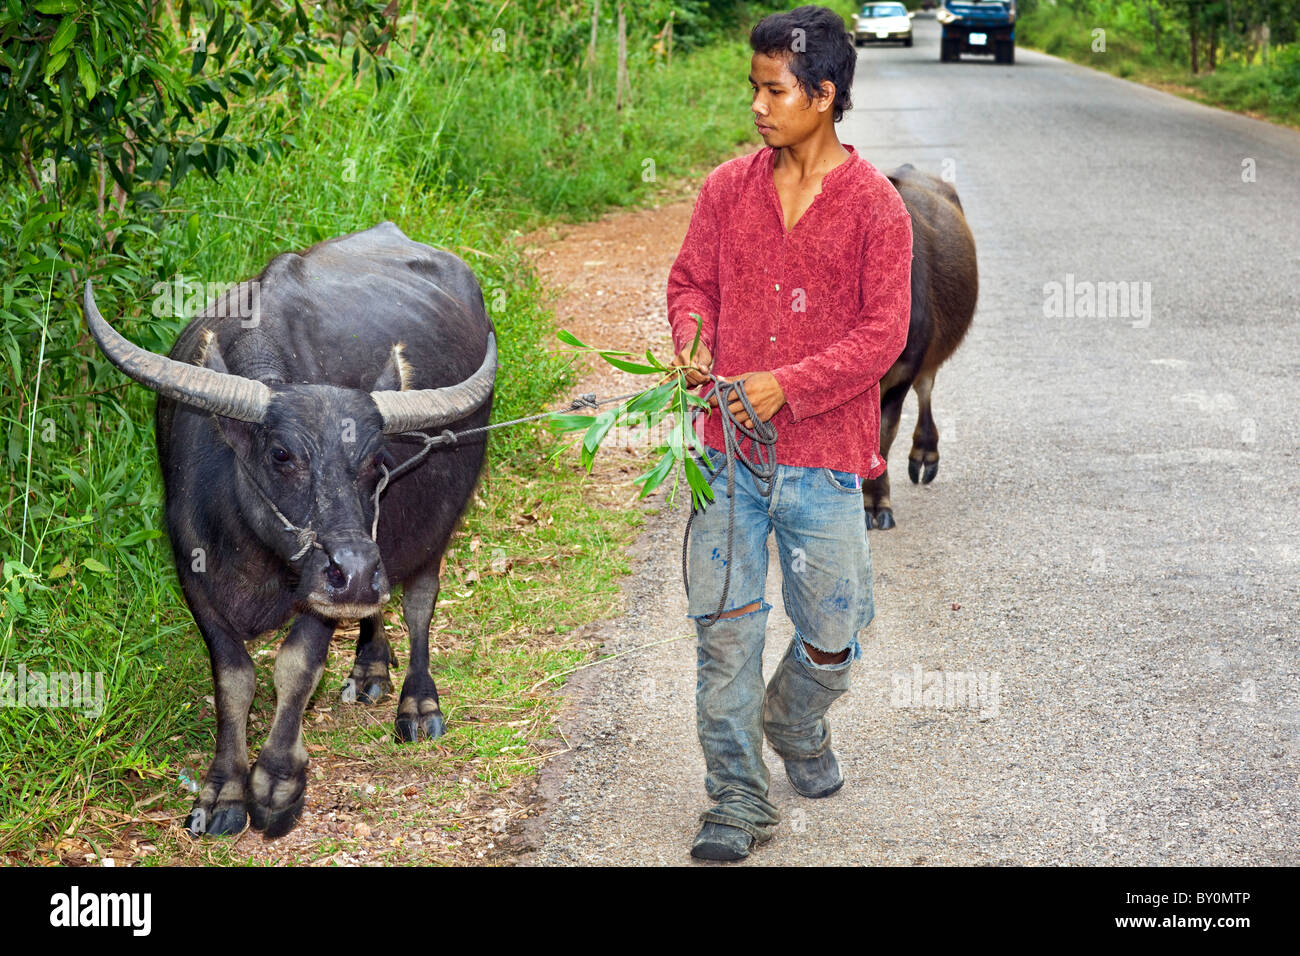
<point>306,536</point>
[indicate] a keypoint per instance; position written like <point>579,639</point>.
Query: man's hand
<point>699,367</point>
<point>763,392</point>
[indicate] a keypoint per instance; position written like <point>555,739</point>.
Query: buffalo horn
<point>433,407</point>
<point>230,395</point>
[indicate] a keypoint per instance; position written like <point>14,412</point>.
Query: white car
<point>883,22</point>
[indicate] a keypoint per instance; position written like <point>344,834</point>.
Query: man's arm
<point>858,361</point>
<point>693,279</point>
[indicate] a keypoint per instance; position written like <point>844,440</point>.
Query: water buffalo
<point>945,283</point>
<point>280,409</point>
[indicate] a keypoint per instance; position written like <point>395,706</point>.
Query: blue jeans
<point>827,589</point>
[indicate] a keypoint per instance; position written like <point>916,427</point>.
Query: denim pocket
<point>716,458</point>
<point>845,481</point>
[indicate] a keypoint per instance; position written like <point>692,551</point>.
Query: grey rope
<point>762,465</point>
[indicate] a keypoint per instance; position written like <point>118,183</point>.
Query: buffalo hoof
<point>371,691</point>
<point>275,800</point>
<point>226,819</point>
<point>409,730</point>
<point>918,476</point>
<point>276,823</point>
<point>884,520</point>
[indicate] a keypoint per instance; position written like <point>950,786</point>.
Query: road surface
<point>1112,537</point>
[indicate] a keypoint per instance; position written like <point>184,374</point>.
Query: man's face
<point>782,112</point>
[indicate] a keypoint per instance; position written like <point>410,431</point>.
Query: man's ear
<point>396,374</point>
<point>238,435</point>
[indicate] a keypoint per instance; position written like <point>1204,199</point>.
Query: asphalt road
<point>1114,520</point>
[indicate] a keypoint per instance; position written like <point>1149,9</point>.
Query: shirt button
<point>777,287</point>
<point>773,338</point>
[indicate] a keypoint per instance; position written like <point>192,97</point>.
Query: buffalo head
<point>309,457</point>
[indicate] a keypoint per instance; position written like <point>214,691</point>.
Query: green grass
<point>463,167</point>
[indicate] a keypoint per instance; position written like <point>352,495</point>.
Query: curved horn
<point>432,407</point>
<point>230,395</point>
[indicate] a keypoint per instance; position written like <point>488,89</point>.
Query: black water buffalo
<point>280,409</point>
<point>945,284</point>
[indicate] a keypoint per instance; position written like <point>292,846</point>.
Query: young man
<point>798,260</point>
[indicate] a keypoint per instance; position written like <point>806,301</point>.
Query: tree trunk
<point>1213,45</point>
<point>624,94</point>
<point>591,49</point>
<point>1193,21</point>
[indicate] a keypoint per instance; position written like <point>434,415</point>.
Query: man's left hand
<point>763,392</point>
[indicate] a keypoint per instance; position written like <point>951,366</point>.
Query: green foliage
<point>115,86</point>
<point>648,409</point>
<point>1151,41</point>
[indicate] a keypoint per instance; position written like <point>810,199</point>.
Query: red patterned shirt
<point>823,307</point>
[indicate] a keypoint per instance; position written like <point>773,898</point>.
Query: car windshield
<point>884,10</point>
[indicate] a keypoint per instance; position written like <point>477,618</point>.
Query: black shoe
<point>717,841</point>
<point>815,776</point>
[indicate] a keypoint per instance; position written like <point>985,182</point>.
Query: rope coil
<point>763,467</point>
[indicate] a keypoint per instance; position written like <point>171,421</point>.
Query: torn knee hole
<point>824,657</point>
<point>743,610</point>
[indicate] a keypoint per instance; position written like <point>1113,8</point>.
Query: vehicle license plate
<point>978,38</point>
<point>881,34</point>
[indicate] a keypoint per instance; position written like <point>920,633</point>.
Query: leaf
<point>596,433</point>
<point>55,64</point>
<point>86,73</point>
<point>91,564</point>
<point>699,326</point>
<point>634,367</point>
<point>564,335</point>
<point>159,161</point>
<point>700,488</point>
<point>653,478</point>
<point>56,6</point>
<point>63,35</point>
<point>135,537</point>
<point>650,400</point>
<point>570,423</point>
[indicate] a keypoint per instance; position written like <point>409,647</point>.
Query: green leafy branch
<point>649,408</point>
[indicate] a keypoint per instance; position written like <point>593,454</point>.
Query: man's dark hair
<point>823,50</point>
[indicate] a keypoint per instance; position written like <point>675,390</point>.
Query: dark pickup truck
<point>978,26</point>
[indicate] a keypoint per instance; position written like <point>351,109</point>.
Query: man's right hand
<point>698,367</point>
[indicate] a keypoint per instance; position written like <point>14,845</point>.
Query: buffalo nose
<point>355,574</point>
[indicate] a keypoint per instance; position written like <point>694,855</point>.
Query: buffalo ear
<point>396,374</point>
<point>238,435</point>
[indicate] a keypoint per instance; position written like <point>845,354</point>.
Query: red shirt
<point>824,307</point>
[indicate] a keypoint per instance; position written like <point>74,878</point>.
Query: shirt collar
<point>830,177</point>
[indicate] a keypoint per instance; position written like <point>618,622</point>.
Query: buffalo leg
<point>925,439</point>
<point>219,808</point>
<point>875,492</point>
<point>369,682</point>
<point>418,715</point>
<point>277,784</point>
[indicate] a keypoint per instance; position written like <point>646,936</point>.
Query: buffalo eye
<point>280,455</point>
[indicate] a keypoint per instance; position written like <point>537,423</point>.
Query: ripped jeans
<point>827,589</point>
